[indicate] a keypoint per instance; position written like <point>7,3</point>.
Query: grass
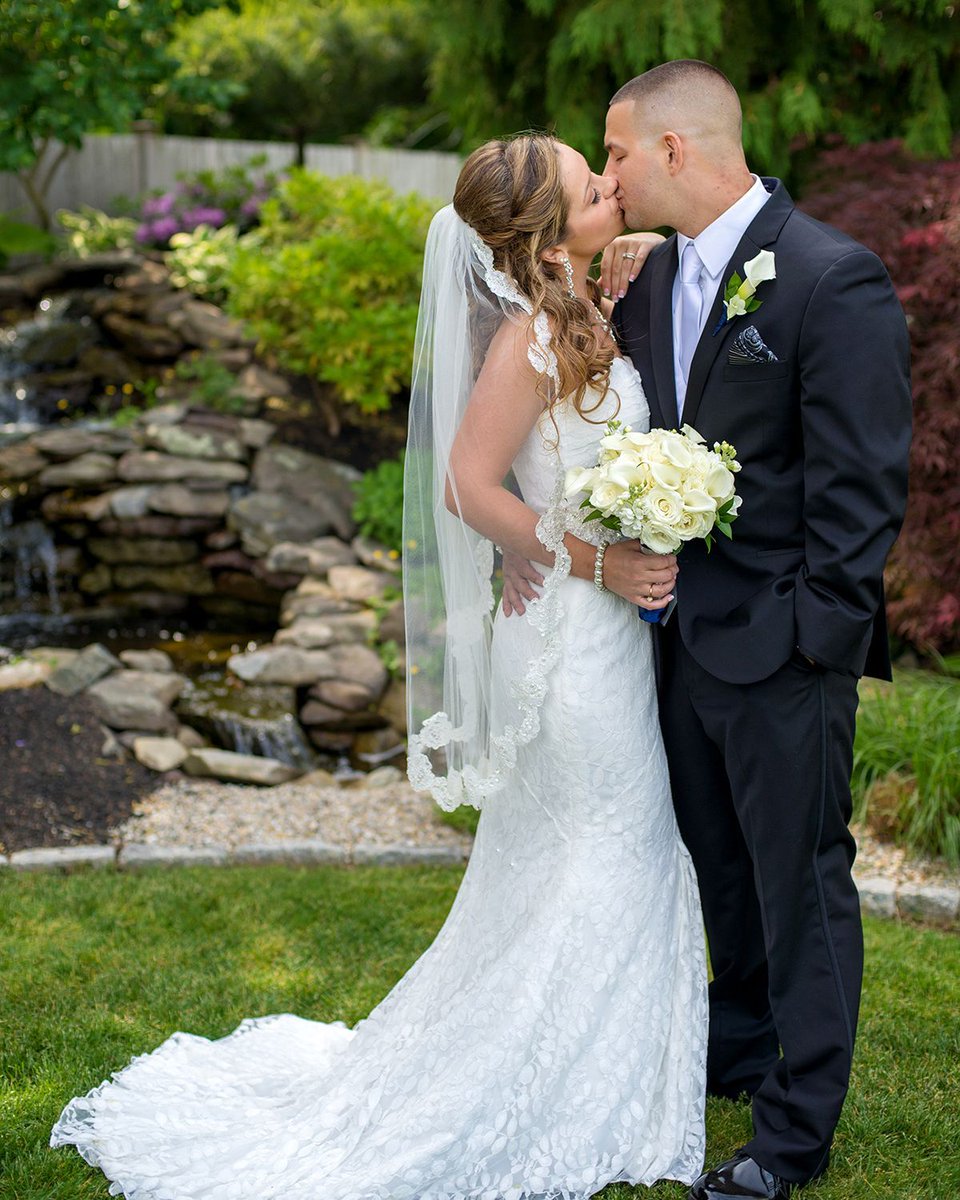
<point>97,967</point>
<point>906,775</point>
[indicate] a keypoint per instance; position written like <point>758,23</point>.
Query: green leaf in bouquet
<point>723,512</point>
<point>733,286</point>
<point>753,304</point>
<point>594,516</point>
<point>611,523</point>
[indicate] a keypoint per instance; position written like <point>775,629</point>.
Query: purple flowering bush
<point>232,196</point>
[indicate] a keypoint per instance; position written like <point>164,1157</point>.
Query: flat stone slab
<point>930,902</point>
<point>312,853</point>
<point>159,753</point>
<point>283,664</point>
<point>878,896</point>
<point>238,768</point>
<point>63,858</point>
<point>369,855</point>
<point>23,674</point>
<point>91,664</point>
<point>134,857</point>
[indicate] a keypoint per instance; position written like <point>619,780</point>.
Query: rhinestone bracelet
<point>598,568</point>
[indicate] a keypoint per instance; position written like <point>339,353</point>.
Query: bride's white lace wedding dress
<point>551,1040</point>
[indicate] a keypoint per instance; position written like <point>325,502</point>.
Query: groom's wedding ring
<point>627,254</point>
<point>650,594</point>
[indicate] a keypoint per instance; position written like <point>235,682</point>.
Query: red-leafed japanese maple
<point>908,211</point>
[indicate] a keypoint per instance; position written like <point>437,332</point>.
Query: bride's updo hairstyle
<point>512,193</point>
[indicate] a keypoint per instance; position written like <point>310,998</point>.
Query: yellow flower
<point>110,390</point>
<point>127,389</point>
<point>394,554</point>
<point>62,402</point>
<point>411,543</point>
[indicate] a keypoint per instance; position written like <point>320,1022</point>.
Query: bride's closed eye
<point>596,197</point>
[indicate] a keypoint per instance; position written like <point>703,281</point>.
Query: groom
<point>758,666</point>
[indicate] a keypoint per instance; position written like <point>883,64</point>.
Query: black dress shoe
<point>740,1179</point>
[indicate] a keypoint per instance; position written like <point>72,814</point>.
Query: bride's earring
<point>568,269</point>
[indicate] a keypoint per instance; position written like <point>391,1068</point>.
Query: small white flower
<point>665,506</point>
<point>697,501</point>
<point>719,483</point>
<point>760,269</point>
<point>736,307</point>
<point>606,495</point>
<point>579,479</point>
<point>692,435</point>
<point>660,538</point>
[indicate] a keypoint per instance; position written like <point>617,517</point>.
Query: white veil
<point>460,749</point>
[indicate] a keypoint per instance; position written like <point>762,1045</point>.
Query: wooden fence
<point>125,165</point>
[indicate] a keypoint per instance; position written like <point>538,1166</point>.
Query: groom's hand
<point>646,580</point>
<point>519,578</point>
<point>622,261</point>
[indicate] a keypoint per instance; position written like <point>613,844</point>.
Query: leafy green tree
<point>865,69</point>
<point>307,70</point>
<point>71,67</point>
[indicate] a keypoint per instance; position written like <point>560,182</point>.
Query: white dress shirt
<point>715,245</point>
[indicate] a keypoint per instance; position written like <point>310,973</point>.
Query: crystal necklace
<point>601,319</point>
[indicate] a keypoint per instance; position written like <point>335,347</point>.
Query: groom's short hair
<point>680,83</point>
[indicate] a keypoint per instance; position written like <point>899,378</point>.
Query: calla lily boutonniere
<point>740,297</point>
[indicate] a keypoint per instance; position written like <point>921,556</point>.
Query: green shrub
<point>378,510</point>
<point>214,386</point>
<point>330,283</point>
<point>907,762</point>
<point>16,237</point>
<point>201,261</point>
<point>91,231</point>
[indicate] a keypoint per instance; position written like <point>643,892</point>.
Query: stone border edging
<point>879,897</point>
<point>295,853</point>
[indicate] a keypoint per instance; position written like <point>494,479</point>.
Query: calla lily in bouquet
<point>663,487</point>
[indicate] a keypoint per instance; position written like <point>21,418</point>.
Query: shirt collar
<point>719,240</point>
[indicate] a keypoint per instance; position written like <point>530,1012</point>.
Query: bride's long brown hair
<point>512,193</point>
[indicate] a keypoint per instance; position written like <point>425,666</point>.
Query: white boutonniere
<point>740,296</point>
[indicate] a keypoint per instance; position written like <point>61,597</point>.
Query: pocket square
<point>749,347</point>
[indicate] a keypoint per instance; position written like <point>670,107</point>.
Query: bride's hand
<point>617,272</point>
<point>637,576</point>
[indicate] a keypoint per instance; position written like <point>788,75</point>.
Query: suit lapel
<point>763,231</point>
<point>663,270</point>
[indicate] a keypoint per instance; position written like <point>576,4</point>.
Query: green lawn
<point>95,968</point>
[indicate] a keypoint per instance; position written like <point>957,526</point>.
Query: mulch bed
<point>55,788</point>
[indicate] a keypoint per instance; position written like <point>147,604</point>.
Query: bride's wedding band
<point>628,255</point>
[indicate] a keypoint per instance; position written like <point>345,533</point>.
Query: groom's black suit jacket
<point>823,437</point>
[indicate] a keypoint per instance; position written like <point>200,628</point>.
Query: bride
<point>552,1039</point>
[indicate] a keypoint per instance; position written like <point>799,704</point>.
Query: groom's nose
<point>610,185</point>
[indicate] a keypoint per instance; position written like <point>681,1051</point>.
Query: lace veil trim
<point>472,784</point>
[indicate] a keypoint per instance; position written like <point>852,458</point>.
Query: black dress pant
<point>761,785</point>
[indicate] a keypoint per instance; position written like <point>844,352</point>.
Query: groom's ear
<point>673,149</point>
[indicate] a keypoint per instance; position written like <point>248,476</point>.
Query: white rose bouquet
<point>663,487</point>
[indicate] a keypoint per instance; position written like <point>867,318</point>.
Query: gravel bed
<point>875,857</point>
<point>191,812</point>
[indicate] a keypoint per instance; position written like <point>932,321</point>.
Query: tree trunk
<point>37,184</point>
